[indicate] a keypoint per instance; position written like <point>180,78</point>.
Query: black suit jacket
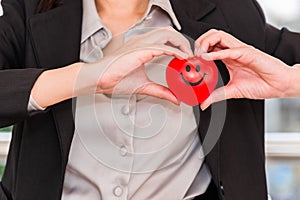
<point>32,43</point>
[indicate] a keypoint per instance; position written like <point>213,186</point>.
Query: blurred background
<point>282,119</point>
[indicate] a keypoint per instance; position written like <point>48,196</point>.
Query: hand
<point>120,73</point>
<point>253,74</point>
<point>124,71</point>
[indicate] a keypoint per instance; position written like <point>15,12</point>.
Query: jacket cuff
<point>15,89</point>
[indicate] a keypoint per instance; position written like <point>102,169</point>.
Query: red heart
<point>192,80</point>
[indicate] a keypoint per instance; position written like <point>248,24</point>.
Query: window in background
<point>1,10</point>
<point>283,117</point>
<point>5,135</point>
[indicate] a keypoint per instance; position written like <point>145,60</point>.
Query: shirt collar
<point>167,7</point>
<point>91,22</point>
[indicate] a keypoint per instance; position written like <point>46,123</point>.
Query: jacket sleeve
<point>283,43</point>
<point>16,81</point>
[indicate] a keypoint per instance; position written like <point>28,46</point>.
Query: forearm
<point>57,85</point>
<point>54,86</point>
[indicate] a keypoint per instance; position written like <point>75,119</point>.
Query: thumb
<point>220,94</point>
<point>159,91</point>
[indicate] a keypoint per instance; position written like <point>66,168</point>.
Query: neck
<point>121,8</point>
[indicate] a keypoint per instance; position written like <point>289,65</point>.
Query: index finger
<point>215,38</point>
<point>168,36</point>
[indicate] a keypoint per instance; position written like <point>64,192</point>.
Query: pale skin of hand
<point>253,74</point>
<point>102,77</point>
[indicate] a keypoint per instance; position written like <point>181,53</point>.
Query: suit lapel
<point>197,17</point>
<point>194,10</point>
<point>194,17</point>
<point>55,36</point>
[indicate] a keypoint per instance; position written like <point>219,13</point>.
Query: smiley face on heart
<point>192,80</point>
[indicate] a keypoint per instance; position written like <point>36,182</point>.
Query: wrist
<point>293,83</point>
<point>54,86</point>
<point>93,77</point>
<point>88,77</point>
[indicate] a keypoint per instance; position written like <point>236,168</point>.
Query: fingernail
<point>196,52</point>
<point>206,56</point>
<point>203,108</point>
<point>176,102</point>
<point>189,52</point>
<point>188,55</point>
<point>185,56</point>
<point>199,51</point>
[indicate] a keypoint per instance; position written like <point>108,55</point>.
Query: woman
<point>110,71</point>
<point>115,145</point>
<point>253,74</point>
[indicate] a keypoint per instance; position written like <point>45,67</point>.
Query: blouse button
<point>118,191</point>
<point>125,110</point>
<point>123,151</point>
